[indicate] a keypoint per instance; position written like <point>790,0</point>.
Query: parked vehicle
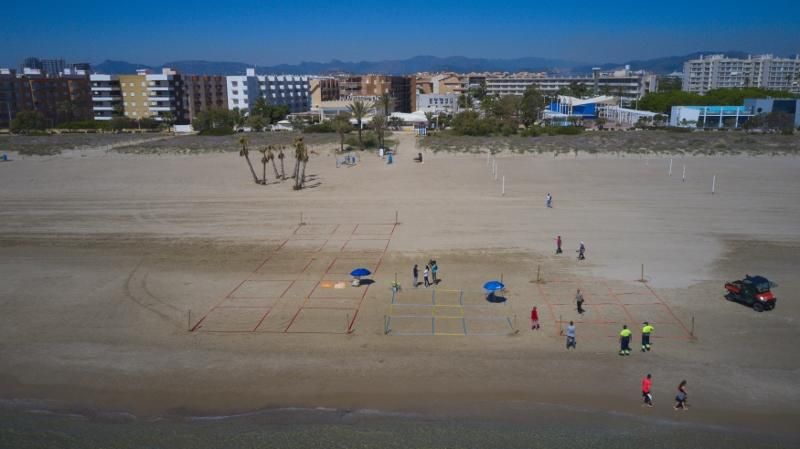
<point>752,291</point>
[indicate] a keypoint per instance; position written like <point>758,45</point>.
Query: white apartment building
<point>625,84</point>
<point>290,90</point>
<point>436,103</point>
<point>718,72</point>
<point>106,95</point>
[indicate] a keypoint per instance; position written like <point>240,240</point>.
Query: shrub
<point>217,132</point>
<point>324,127</point>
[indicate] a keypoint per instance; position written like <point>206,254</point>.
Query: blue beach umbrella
<point>493,286</point>
<point>358,272</point>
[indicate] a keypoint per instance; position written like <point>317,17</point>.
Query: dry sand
<point>103,258</point>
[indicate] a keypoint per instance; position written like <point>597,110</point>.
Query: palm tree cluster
<point>272,152</point>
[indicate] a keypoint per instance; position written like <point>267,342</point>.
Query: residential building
<point>60,98</point>
<point>436,103</point>
<point>204,92</point>
<point>402,89</point>
<point>134,95</point>
<point>53,66</point>
<point>12,96</point>
<point>790,106</point>
<point>106,96</point>
<point>764,71</point>
<point>165,96</point>
<point>625,84</point>
<point>289,90</point>
<point>323,89</point>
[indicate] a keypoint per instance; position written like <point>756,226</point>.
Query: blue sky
<point>288,31</point>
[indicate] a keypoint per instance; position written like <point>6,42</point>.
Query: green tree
<point>395,123</point>
<point>465,101</point>
<point>578,90</point>
<point>379,125</point>
<point>168,119</point>
<point>244,152</point>
<point>531,105</point>
<point>341,123</point>
<point>28,121</point>
<point>256,122</point>
<point>239,117</point>
<point>359,109</point>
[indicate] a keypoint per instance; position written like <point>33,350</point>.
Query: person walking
<point>647,329</point>
<point>647,397</point>
<point>434,270</point>
<point>548,200</point>
<point>625,340</point>
<point>425,274</point>
<point>571,342</point>
<point>579,301</point>
<point>558,245</point>
<point>582,252</point>
<point>534,319</point>
<point>682,397</point>
<point>415,272</point>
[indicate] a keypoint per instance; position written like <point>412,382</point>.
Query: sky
<point>291,31</point>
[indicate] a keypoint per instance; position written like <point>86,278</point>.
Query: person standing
<point>548,200</point>
<point>534,318</point>
<point>681,397</point>
<point>581,251</point>
<point>434,270</point>
<point>647,397</point>
<point>558,245</point>
<point>425,274</point>
<point>416,275</point>
<point>625,340</point>
<point>571,342</point>
<point>579,301</point>
<point>647,329</point>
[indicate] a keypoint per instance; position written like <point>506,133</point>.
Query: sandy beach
<point>173,285</point>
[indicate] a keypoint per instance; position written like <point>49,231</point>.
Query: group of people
<point>681,398</point>
<point>626,334</point>
<point>581,248</point>
<point>429,274</point>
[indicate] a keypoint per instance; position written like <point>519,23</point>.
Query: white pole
<point>504,185</point>
<point>684,173</point>
<point>488,157</point>
<point>670,167</point>
<point>713,184</point>
<point>495,175</point>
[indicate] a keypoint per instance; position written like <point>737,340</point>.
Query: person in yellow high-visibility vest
<point>647,329</point>
<point>625,340</point>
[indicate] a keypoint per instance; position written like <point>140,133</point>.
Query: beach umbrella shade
<point>358,272</point>
<point>493,286</point>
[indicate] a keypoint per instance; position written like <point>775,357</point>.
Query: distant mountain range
<point>459,64</point>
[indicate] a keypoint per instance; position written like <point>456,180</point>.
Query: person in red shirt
<point>647,383</point>
<point>534,318</point>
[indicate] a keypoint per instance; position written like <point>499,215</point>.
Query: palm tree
<point>385,102</point>
<point>301,156</point>
<point>341,123</point>
<point>429,117</point>
<point>298,149</point>
<point>359,109</point>
<point>264,161</point>
<point>246,154</point>
<point>271,157</point>
<point>379,125</point>
<point>280,157</point>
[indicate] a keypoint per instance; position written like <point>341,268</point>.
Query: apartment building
<point>764,71</point>
<point>204,92</point>
<point>625,84</point>
<point>447,103</point>
<point>289,90</point>
<point>323,89</point>
<point>439,83</point>
<point>134,95</point>
<point>106,96</point>
<point>59,98</point>
<point>165,96</point>
<point>402,89</point>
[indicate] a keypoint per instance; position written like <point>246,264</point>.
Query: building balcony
<point>103,108</point>
<point>162,108</point>
<point>110,98</point>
